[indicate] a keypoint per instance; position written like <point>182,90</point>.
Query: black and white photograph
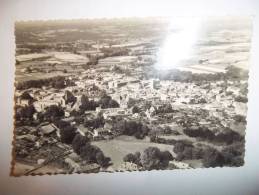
<point>130,94</point>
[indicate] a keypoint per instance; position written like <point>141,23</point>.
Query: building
<point>84,130</point>
<point>47,129</point>
<point>101,132</point>
<point>110,112</point>
<point>53,99</point>
<point>155,84</point>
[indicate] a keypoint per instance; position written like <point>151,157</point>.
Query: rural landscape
<point>130,94</point>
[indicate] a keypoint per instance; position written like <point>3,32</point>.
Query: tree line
<point>58,82</point>
<point>231,73</point>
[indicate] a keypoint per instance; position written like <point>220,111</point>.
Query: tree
<point>113,104</point>
<point>178,147</point>
<point>53,112</point>
<point>96,122</point>
<point>131,128</point>
<point>59,84</point>
<point>24,112</point>
<point>69,97</point>
<point>242,99</point>
<point>243,89</point>
<point>87,104</point>
<point>197,153</point>
<point>212,158</point>
<point>61,124</point>
<point>167,108</point>
<point>240,118</point>
<point>27,96</point>
<point>101,159</point>
<point>107,102</point>
<point>93,154</point>
<point>29,111</point>
<point>133,158</point>
<point>202,101</point>
<point>153,137</point>
<point>116,69</point>
<point>153,158</point>
<point>166,156</point>
<point>187,153</point>
<point>84,100</point>
<point>233,155</point>
<point>233,72</point>
<point>137,158</point>
<point>131,102</point>
<point>67,134</point>
<point>199,131</point>
<point>87,152</point>
<point>78,142</point>
<point>135,109</point>
<point>104,101</point>
<point>167,130</point>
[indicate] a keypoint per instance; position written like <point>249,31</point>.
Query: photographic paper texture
<point>130,94</point>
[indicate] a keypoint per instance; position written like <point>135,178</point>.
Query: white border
<point>243,181</point>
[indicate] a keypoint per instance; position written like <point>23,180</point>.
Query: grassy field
<point>21,76</point>
<point>117,148</point>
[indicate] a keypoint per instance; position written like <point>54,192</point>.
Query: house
<point>69,119</point>
<point>53,99</point>
<point>109,112</point>
<point>164,97</point>
<point>117,84</point>
<point>155,84</point>
<point>67,114</point>
<point>42,104</point>
<point>47,129</point>
<point>122,98</point>
<point>101,132</point>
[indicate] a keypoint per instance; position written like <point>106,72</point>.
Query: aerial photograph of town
<point>130,94</point>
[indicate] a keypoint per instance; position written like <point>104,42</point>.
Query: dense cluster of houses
<point>122,89</point>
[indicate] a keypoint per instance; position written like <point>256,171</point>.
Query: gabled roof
<point>47,129</point>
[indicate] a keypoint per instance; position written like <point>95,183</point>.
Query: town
<point>88,98</point>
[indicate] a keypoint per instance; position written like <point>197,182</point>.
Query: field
<point>117,148</point>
